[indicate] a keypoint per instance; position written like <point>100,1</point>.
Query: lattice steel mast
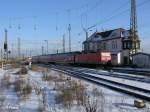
<point>135,42</point>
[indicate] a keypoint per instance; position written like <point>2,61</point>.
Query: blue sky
<point>46,15</point>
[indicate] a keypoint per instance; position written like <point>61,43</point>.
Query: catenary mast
<point>133,29</point>
<point>6,46</point>
<point>132,43</point>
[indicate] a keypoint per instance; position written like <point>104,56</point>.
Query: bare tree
<point>95,102</point>
<point>80,93</point>
<point>91,105</point>
<point>102,101</point>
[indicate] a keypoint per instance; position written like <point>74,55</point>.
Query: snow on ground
<point>115,102</point>
<point>1,73</point>
<point>31,104</point>
<point>138,69</point>
<point>115,73</point>
<point>112,101</point>
<point>125,81</point>
<point>11,101</point>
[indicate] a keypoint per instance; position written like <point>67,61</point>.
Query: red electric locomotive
<point>93,58</point>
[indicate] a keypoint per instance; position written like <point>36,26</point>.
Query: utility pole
<point>26,52</point>
<point>88,29</point>
<point>30,52</point>
<point>46,46</point>
<point>86,33</point>
<point>19,52</point>
<point>6,46</point>
<point>2,58</point>
<point>63,43</point>
<point>12,50</point>
<point>42,50</point>
<point>69,30</point>
<point>1,54</point>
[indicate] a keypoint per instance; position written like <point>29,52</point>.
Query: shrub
<point>18,85</point>
<point>79,91</point>
<point>22,88</point>
<point>65,98</point>
<point>71,91</point>
<point>96,92</point>
<point>5,81</point>
<point>27,89</point>
<point>23,70</point>
<point>91,105</point>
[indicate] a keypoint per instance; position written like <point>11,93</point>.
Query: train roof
<point>67,53</point>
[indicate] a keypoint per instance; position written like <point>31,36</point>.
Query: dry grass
<point>23,70</point>
<point>48,77</point>
<point>27,89</point>
<point>39,69</point>
<point>18,85</point>
<point>22,88</point>
<point>69,92</point>
<point>5,81</point>
<point>65,98</point>
<point>15,65</point>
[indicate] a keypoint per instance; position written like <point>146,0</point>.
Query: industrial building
<point>141,60</point>
<point>113,41</point>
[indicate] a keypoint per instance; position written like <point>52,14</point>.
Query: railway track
<point>116,75</point>
<point>144,72</point>
<point>123,88</point>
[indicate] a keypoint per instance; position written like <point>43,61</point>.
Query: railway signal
<point>6,46</point>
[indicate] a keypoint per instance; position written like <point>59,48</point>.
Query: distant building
<point>113,41</point>
<point>141,59</point>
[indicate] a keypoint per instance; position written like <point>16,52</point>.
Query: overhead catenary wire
<point>110,18</point>
<point>56,21</point>
<point>58,12</point>
<point>48,13</point>
<point>89,10</point>
<point>10,25</point>
<point>105,20</point>
<point>71,9</point>
<point>120,13</point>
<point>35,26</point>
